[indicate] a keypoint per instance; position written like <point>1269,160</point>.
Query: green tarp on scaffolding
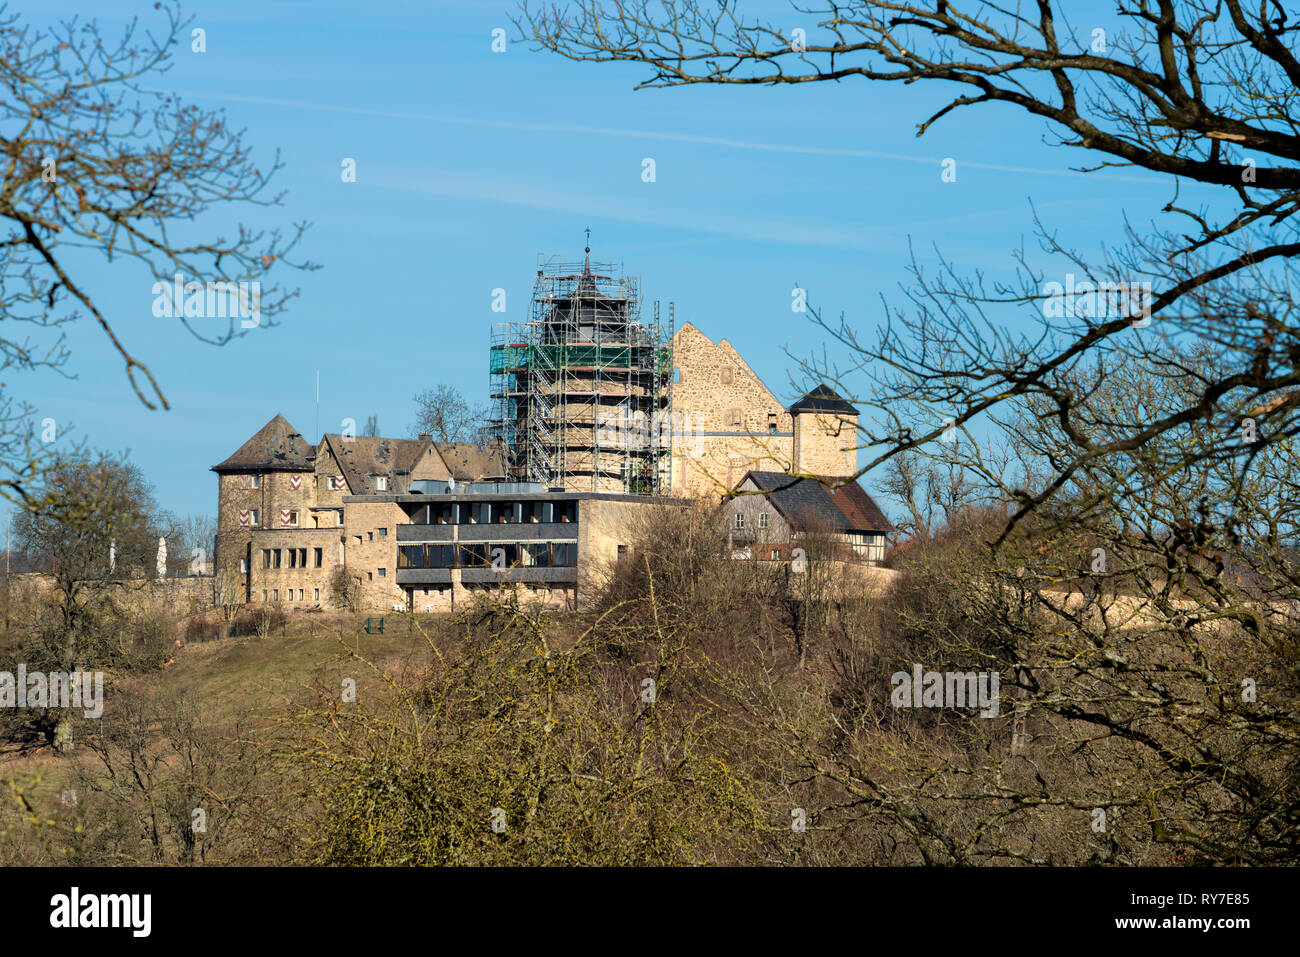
<point>507,357</point>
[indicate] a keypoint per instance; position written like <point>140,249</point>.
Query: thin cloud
<point>659,135</point>
<point>876,238</point>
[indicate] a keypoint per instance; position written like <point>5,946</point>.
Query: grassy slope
<point>230,677</point>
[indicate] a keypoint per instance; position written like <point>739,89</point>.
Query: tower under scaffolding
<point>582,391</point>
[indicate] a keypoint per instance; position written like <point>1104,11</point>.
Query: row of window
<point>489,554</point>
<point>493,513</point>
<point>740,520</point>
<point>447,513</point>
<point>273,594</point>
<point>294,557</point>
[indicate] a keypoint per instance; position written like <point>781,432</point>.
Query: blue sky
<point>470,163</point>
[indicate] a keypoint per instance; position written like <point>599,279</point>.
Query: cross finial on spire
<point>586,263</point>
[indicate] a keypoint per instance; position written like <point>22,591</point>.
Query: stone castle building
<point>422,525</point>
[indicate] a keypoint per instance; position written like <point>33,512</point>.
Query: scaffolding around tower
<point>582,391</point>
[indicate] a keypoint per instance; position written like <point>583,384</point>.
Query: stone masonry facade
<point>728,422</point>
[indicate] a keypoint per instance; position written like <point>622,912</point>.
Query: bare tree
<point>1141,587</point>
<point>932,493</point>
<point>1194,90</point>
<point>191,551</point>
<point>444,413</point>
<point>94,159</point>
<point>98,527</point>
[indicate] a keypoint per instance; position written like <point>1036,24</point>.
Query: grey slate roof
<point>276,447</point>
<point>823,399</point>
<point>809,504</point>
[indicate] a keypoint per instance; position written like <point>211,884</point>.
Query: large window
<point>472,512</point>
<point>481,555</point>
<point>426,556</point>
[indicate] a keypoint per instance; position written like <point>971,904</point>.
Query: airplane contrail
<point>657,135</point>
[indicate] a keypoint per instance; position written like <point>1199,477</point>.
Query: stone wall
<point>725,419</point>
<point>603,526</point>
<point>825,443</point>
<point>370,552</point>
<point>178,597</point>
<point>297,581</point>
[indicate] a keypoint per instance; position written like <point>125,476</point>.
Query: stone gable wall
<point>430,466</point>
<point>722,413</point>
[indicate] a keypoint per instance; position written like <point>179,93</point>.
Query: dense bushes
<point>205,626</point>
<point>258,620</point>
